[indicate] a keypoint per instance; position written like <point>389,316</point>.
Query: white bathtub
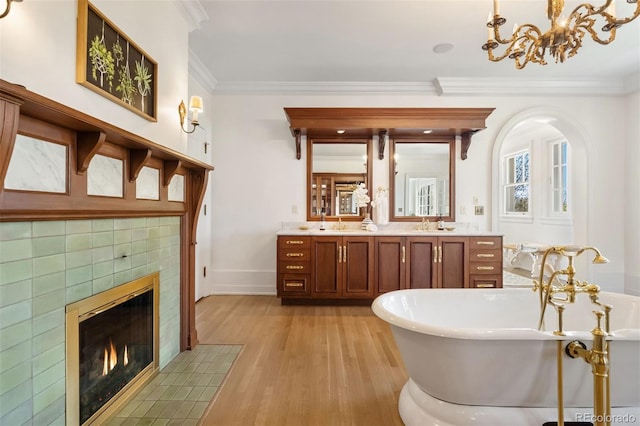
<point>482,348</point>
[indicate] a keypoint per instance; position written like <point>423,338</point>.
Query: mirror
<point>422,179</point>
<point>335,167</point>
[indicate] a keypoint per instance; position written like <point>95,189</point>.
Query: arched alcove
<point>562,123</point>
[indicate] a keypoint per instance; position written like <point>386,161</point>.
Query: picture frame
<point>114,66</point>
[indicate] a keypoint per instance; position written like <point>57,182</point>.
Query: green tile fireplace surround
<point>45,265</point>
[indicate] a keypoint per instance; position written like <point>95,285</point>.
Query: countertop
<point>392,229</point>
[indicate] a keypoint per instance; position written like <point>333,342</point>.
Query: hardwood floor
<point>302,365</point>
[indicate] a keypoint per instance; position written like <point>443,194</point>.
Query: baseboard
<point>241,282</point>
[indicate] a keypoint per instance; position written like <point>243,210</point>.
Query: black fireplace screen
<point>115,346</point>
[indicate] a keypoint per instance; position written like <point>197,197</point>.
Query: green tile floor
<point>181,392</point>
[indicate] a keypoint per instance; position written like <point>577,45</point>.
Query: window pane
<point>510,169</point>
<point>519,169</point>
<point>517,199</point>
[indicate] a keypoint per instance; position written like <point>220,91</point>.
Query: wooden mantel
<point>27,113</point>
<point>391,122</point>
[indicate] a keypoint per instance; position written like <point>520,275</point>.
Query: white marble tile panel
<point>37,165</point>
<point>148,184</point>
<point>176,188</point>
<point>105,176</point>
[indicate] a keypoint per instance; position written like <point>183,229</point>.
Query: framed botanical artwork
<point>111,64</point>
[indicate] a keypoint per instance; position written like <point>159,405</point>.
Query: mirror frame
<point>451,140</point>
<point>337,140</point>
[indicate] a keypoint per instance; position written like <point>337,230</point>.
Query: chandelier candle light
<point>528,43</point>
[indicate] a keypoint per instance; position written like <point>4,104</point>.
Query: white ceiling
<point>262,44</point>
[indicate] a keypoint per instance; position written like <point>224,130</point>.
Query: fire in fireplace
<point>115,347</point>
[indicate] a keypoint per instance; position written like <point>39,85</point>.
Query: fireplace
<point>112,348</point>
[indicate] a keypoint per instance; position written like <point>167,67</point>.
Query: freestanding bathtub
<point>475,356</point>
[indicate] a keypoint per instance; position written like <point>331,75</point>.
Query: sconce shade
<point>195,104</point>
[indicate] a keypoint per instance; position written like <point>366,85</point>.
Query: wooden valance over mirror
<point>386,122</point>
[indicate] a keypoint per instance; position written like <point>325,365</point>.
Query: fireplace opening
<point>112,349</point>
<point>115,345</point>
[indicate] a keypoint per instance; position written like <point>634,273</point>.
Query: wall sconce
<point>8,8</point>
<point>195,105</point>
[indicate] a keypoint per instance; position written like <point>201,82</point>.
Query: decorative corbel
<point>382,141</point>
<point>466,142</point>
<point>298,136</point>
<point>170,168</point>
<point>137,159</point>
<point>87,146</point>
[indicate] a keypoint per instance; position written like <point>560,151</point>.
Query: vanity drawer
<point>293,242</point>
<point>485,243</point>
<point>294,254</point>
<point>485,255</point>
<point>485,281</point>
<point>292,267</point>
<point>293,285</point>
<point>485,267</point>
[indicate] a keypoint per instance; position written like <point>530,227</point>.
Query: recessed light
<point>443,47</point>
<point>341,131</point>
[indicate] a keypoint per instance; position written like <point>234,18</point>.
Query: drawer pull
<point>485,243</point>
<point>295,242</point>
<point>486,255</point>
<point>485,268</point>
<point>294,267</point>
<point>485,285</point>
<point>295,254</point>
<point>294,285</point>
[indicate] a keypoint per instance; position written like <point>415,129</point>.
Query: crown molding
<point>193,11</point>
<point>441,86</point>
<point>323,88</point>
<point>199,71</point>
<point>456,86</point>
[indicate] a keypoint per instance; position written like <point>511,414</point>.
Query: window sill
<point>516,219</point>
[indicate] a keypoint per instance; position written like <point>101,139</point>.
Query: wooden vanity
<point>316,265</point>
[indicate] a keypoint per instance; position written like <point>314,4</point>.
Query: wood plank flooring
<point>302,365</point>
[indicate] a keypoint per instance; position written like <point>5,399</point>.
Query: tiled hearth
<point>180,394</point>
<point>46,265</point>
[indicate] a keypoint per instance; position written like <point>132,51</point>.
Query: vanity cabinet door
<point>422,262</point>
<point>453,262</point>
<point>390,264</point>
<point>342,267</point>
<point>326,271</point>
<point>357,267</point>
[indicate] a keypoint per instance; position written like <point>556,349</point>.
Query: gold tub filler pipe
<point>560,294</point>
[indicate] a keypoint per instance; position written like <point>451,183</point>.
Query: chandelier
<point>528,44</point>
